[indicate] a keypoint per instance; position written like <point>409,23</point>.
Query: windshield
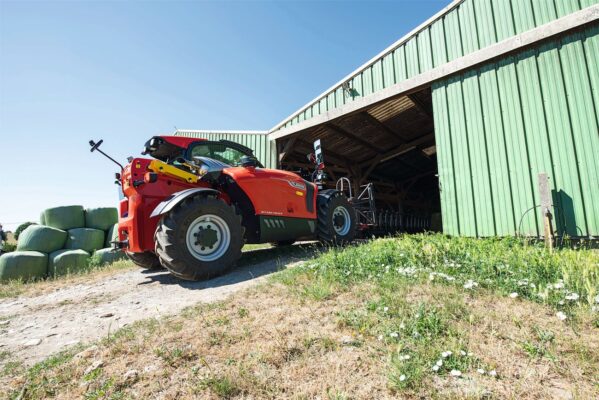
<point>219,152</point>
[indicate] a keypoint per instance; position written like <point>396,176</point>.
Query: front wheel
<point>336,218</point>
<point>199,239</point>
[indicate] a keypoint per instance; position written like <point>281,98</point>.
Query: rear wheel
<point>147,260</point>
<point>336,218</point>
<point>200,238</point>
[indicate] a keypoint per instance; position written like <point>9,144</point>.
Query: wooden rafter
<point>329,155</point>
<point>420,105</point>
<point>382,126</point>
<point>287,148</point>
<point>399,150</point>
<point>344,132</point>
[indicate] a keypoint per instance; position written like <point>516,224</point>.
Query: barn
<point>483,118</point>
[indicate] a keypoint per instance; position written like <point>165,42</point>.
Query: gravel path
<point>32,328</point>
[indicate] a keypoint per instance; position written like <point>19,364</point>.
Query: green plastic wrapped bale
<point>65,218</point>
<point>41,238</point>
<point>63,262</point>
<point>24,265</point>
<point>42,219</point>
<point>107,256</point>
<point>87,239</point>
<point>101,218</point>
<point>112,235</point>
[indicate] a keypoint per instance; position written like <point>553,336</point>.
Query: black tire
<point>283,243</point>
<point>146,260</point>
<point>328,201</point>
<point>185,260</point>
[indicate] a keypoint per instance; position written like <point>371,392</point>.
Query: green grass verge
<point>421,336</point>
<point>563,279</point>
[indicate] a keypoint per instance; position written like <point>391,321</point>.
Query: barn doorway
<point>391,145</point>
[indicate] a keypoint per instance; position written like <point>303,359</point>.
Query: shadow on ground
<point>251,265</point>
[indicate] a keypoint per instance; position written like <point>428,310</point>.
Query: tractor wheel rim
<point>208,237</point>
<point>343,228</point>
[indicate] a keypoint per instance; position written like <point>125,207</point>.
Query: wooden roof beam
<point>328,154</point>
<point>287,148</point>
<point>382,126</point>
<point>404,148</point>
<point>344,132</point>
<point>420,105</point>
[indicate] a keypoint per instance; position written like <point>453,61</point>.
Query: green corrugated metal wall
<point>500,125</point>
<point>470,26</point>
<point>263,148</point>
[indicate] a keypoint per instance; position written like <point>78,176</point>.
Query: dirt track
<point>32,328</point>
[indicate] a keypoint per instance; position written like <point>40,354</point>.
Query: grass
<point>14,288</point>
<point>503,265</point>
<point>421,316</point>
<point>221,386</point>
<point>418,330</point>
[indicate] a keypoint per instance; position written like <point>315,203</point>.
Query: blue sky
<point>124,71</point>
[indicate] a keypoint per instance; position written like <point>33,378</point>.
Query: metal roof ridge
<point>220,131</point>
<point>389,49</point>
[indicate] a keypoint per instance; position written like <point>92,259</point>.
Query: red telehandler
<point>193,205</point>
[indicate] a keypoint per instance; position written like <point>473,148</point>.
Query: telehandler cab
<point>193,205</point>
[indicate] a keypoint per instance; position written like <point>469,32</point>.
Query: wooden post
<point>546,205</point>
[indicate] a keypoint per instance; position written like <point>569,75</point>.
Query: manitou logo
<point>297,185</point>
<point>275,223</point>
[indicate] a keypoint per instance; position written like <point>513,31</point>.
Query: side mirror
<point>249,162</point>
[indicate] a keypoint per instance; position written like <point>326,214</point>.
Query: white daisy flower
<point>435,368</point>
<point>462,352</point>
<point>470,284</point>
<point>480,371</point>
<point>513,295</point>
<point>561,316</point>
<point>439,363</point>
<point>493,373</point>
<point>385,309</point>
<point>455,372</point>
<point>402,378</point>
<point>572,296</point>
<point>394,334</point>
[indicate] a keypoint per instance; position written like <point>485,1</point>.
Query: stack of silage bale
<point>64,242</point>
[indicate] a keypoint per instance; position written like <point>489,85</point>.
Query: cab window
<point>218,152</point>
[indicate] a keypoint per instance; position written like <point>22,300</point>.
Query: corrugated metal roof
<point>390,109</point>
<point>463,27</point>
